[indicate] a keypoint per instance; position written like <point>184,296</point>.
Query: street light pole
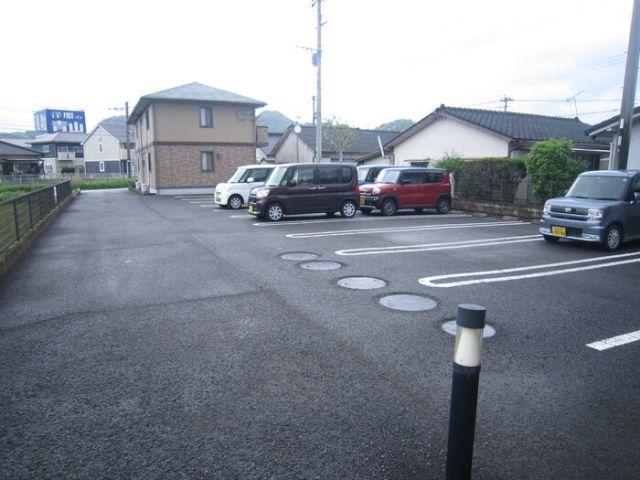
<point>318,58</point>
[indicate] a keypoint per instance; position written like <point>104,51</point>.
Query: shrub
<point>106,183</point>
<point>551,168</point>
<point>68,170</point>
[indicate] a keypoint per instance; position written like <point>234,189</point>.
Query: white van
<point>235,192</point>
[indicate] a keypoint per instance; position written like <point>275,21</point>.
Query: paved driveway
<point>160,337</point>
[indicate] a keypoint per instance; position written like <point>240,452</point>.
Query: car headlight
<point>376,191</point>
<point>261,192</point>
<point>595,213</point>
<point>547,209</point>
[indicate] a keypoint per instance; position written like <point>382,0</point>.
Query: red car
<point>407,187</point>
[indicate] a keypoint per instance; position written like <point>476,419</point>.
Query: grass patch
<point>12,190</point>
<point>100,184</point>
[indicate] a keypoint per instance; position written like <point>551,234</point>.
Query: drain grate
<point>299,256</point>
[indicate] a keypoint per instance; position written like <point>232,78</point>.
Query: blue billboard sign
<point>52,121</point>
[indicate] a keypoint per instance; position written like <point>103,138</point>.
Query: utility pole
<point>506,101</point>
<point>628,93</point>
<point>318,62</point>
<point>126,136</point>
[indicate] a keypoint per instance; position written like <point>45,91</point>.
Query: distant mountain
<point>275,121</point>
<point>118,120</point>
<point>25,134</point>
<point>399,125</point>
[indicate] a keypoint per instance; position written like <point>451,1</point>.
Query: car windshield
<point>237,176</point>
<point>598,187</point>
<point>388,176</point>
<point>362,173</point>
<point>276,177</point>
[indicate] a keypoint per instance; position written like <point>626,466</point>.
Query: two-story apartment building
<point>191,137</point>
<point>105,148</point>
<point>60,150</point>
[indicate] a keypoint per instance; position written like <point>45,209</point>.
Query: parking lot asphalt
<point>163,337</point>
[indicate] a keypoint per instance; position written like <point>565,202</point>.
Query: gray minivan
<point>601,206</point>
<point>298,188</point>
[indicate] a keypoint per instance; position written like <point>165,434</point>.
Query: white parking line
<point>357,219</point>
<point>431,281</point>
<point>439,246</point>
<point>366,231</point>
<point>615,341</point>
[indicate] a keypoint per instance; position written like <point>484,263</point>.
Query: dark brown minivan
<point>298,188</point>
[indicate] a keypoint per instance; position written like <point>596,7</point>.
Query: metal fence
<point>516,190</point>
<point>21,214</point>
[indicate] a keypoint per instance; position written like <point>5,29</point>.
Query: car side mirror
<point>250,180</point>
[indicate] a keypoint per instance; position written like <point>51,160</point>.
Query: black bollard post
<point>464,390</point>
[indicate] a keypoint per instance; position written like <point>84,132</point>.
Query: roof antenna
<point>575,103</point>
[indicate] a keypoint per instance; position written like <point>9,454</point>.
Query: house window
<point>206,161</point>
<point>101,167</point>
<point>206,117</point>
<point>45,148</point>
<point>146,118</point>
<point>100,146</point>
<point>48,168</point>
<point>149,161</point>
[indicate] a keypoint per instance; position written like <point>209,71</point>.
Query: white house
<point>609,129</point>
<point>472,134</point>
<point>105,148</point>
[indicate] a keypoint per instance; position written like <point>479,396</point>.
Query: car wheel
<point>235,202</point>
<point>550,239</point>
<point>275,212</point>
<point>389,207</point>
<point>612,238</point>
<point>348,209</point>
<point>444,205</point>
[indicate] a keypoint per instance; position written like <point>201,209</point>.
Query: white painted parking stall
<point>203,201</point>
<point>531,271</point>
<point>367,231</point>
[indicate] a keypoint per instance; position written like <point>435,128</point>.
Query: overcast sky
<point>382,60</point>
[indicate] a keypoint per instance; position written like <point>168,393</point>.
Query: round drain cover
<point>320,265</point>
<point>299,256</point>
<point>361,283</point>
<point>451,328</point>
<point>408,303</point>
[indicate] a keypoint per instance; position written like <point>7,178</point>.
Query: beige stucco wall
<point>294,150</point>
<point>450,136</point>
<point>180,122</point>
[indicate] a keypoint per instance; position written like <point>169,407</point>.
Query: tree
<point>399,125</point>
<point>338,135</point>
<point>550,167</point>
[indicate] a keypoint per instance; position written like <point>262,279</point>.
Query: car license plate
<point>559,231</point>
<point>250,209</point>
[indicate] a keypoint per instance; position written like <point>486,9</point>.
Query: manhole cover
<point>320,265</point>
<point>408,303</point>
<point>451,328</point>
<point>361,283</point>
<point>299,256</point>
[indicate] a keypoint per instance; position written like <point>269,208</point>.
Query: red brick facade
<point>180,166</point>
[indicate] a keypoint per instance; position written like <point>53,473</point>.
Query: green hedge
<point>100,184</point>
<point>492,178</point>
